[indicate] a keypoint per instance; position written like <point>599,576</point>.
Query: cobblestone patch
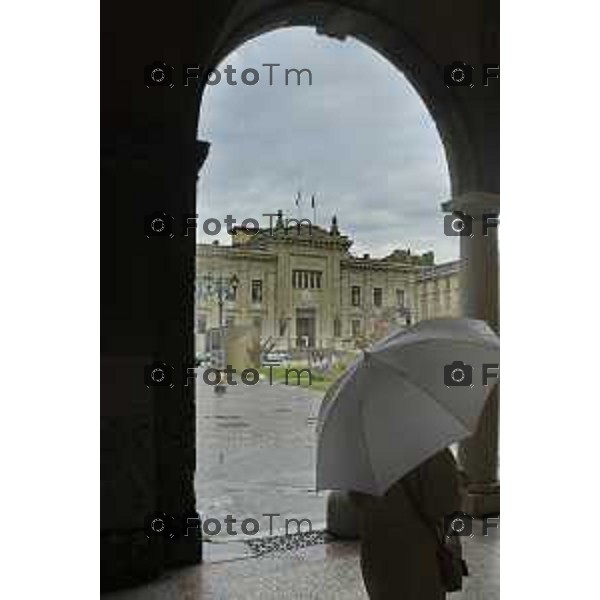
<point>283,543</point>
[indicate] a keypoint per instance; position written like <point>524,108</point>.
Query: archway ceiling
<point>440,28</point>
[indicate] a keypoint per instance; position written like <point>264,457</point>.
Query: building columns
<point>478,454</point>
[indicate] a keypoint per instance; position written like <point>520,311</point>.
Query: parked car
<point>283,358</point>
<point>203,359</point>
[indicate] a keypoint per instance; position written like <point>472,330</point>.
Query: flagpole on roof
<point>298,209</point>
<point>314,207</point>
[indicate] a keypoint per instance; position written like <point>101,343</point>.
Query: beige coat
<point>398,551</point>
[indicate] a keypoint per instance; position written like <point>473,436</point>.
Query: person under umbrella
<point>383,432</point>
<point>399,531</point>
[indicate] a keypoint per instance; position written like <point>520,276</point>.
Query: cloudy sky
<point>359,137</point>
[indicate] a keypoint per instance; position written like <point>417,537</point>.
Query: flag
<point>298,198</point>
<point>312,201</point>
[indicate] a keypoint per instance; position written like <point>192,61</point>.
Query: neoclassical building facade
<point>303,288</point>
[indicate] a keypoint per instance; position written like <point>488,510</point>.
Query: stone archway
<point>399,48</point>
<point>474,175</point>
<point>150,161</point>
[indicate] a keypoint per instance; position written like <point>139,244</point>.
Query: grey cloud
<point>360,137</point>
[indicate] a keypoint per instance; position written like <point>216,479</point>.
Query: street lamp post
<point>221,288</point>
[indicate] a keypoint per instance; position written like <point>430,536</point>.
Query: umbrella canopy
<point>405,399</point>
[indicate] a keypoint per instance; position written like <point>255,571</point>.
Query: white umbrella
<point>393,408</point>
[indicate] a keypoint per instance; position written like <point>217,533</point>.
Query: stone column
<point>147,432</point>
<point>478,454</point>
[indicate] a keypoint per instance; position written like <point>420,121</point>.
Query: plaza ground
<point>256,455</point>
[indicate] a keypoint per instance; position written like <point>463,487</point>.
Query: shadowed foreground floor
<point>323,571</point>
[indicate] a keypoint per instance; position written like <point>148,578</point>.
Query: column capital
<point>473,203</point>
<point>153,151</point>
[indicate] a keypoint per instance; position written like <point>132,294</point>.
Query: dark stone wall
<point>149,162</point>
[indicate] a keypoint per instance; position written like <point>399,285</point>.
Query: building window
<point>377,296</point>
<point>337,328</point>
<point>201,324</point>
<point>282,327</point>
<point>355,295</point>
<point>214,339</point>
<point>400,298</point>
<point>230,321</point>
<point>355,328</point>
<point>257,291</point>
<point>306,279</point>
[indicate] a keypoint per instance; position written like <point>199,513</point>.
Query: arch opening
<point>303,299</point>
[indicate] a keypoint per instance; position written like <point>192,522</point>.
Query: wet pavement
<point>256,455</point>
<point>327,571</point>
